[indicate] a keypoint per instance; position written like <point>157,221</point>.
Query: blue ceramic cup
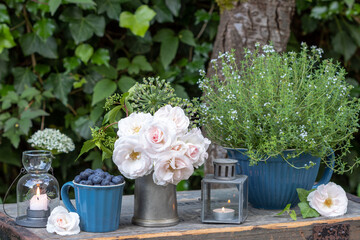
<point>99,207</point>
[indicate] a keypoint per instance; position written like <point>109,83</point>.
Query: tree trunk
<point>247,23</point>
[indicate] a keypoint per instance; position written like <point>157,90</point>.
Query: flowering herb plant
<point>270,102</point>
<point>52,140</point>
<point>161,144</point>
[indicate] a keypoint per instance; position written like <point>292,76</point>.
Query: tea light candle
<point>223,213</point>
<point>39,201</point>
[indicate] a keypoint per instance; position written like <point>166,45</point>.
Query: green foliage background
<point>59,60</point>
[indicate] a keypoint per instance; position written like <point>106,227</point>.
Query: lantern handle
<point>7,191</point>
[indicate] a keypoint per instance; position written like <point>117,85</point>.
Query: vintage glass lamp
<point>37,191</point>
<point>224,194</point>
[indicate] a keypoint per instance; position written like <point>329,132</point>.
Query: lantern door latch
<point>331,232</point>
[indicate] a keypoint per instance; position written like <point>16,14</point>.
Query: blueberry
<point>90,171</point>
<point>107,174</point>
<point>98,170</point>
<point>84,175</point>
<point>96,179</point>
<point>83,182</point>
<point>105,182</point>
<point>109,178</point>
<point>77,179</point>
<point>89,182</point>
<point>100,174</point>
<point>117,179</point>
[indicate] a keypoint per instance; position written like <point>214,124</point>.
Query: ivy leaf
<point>139,22</point>
<point>44,28</point>
<point>169,45</point>
<point>292,214</point>
<point>125,83</point>
<point>30,93</point>
<point>23,78</point>
<point>42,69</point>
<point>101,57</point>
<point>303,194</point>
<point>286,209</point>
<point>186,36</point>
<point>87,146</point>
<point>82,127</point>
<point>70,63</point>
<point>30,43</point>
<point>107,72</point>
<point>84,52</point>
<point>6,39</point>
<point>111,7</point>
<point>4,16</point>
<point>307,211</point>
<point>142,63</point>
<point>30,114</point>
<point>61,84</point>
<point>102,90</point>
<point>163,14</point>
<point>343,44</point>
<point>54,5</point>
<point>174,6</point>
<point>122,63</point>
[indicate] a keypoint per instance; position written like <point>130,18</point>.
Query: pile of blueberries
<point>98,178</point>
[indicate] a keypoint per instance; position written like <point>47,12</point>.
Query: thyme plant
<point>271,102</point>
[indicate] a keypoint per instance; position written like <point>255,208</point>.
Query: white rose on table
<point>329,200</point>
<point>175,114</point>
<point>197,146</point>
<point>63,222</point>
<point>158,136</point>
<point>131,158</point>
<point>132,124</point>
<point>171,168</point>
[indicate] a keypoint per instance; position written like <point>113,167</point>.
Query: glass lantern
<point>37,191</point>
<point>224,194</point>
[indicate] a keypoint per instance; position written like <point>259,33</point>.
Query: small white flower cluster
<point>52,140</point>
<point>268,49</point>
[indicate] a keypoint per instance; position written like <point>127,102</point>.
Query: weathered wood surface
<point>260,224</point>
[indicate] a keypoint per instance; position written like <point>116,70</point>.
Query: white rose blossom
<point>172,168</point>
<point>133,124</point>
<point>329,200</point>
<point>158,136</point>
<point>175,114</point>
<point>63,222</point>
<point>131,158</point>
<point>197,146</point>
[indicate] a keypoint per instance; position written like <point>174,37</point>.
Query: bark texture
<point>244,25</point>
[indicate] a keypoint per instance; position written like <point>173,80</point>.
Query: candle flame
<point>229,201</point>
<point>223,209</point>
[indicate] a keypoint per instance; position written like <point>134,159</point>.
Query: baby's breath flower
<point>52,140</point>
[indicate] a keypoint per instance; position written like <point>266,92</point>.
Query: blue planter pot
<point>272,184</point>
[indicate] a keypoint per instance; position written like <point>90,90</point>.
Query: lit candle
<point>223,213</point>
<point>39,201</point>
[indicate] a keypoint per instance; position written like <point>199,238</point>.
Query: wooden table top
<point>260,224</point>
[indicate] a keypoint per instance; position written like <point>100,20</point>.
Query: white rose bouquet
<point>161,143</point>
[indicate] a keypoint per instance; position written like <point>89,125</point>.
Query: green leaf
<point>111,7</point>
<point>343,44</point>
<point>25,125</point>
<point>4,16</point>
<point>44,28</point>
<point>307,211</point>
<point>90,2</point>
<point>139,22</point>
<point>180,91</point>
<point>125,83</point>
<point>174,6</point>
<point>82,127</point>
<point>71,63</point>
<point>286,209</point>
<point>319,12</point>
<point>163,14</point>
<point>61,85</point>
<point>355,33</point>
<point>186,36</point>
<point>84,52</point>
<point>14,137</point>
<point>163,34</point>
<point>10,123</point>
<point>87,146</point>
<point>30,114</point>
<point>122,63</point>
<point>293,215</point>
<point>107,72</point>
<point>42,69</point>
<point>101,57</point>
<point>96,112</point>
<point>142,63</point>
<point>350,3</point>
<point>102,90</point>
<point>23,78</point>
<point>114,114</point>
<point>30,43</point>
<point>168,50</point>
<point>79,84</point>
<point>30,93</point>
<point>54,5</point>
<point>6,39</point>
<point>303,194</point>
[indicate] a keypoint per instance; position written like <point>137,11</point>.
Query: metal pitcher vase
<point>154,205</point>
